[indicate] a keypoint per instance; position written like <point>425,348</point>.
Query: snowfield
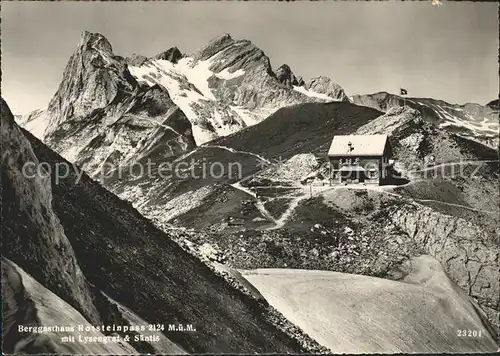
<point>187,85</point>
<point>483,127</point>
<point>360,314</point>
<point>312,94</point>
<point>227,75</point>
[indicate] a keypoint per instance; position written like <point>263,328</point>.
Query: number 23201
<point>469,333</point>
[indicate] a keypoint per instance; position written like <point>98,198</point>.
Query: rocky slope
<point>368,233</point>
<point>455,178</point>
<point>46,273</point>
<point>77,222</point>
<point>300,129</point>
<point>472,121</point>
<point>32,234</point>
<point>467,252</point>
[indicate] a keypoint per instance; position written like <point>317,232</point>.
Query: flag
<point>403,91</point>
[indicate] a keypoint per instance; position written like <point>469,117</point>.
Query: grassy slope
<point>297,129</point>
<point>432,192</point>
<point>226,206</point>
<point>315,237</point>
<point>300,128</point>
<point>124,255</point>
<point>211,165</point>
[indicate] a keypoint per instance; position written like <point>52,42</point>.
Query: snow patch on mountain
<point>313,94</point>
<point>252,117</point>
<point>471,121</point>
<point>35,122</point>
<point>473,125</point>
<point>188,86</point>
<point>227,75</point>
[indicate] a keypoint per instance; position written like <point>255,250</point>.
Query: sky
<point>448,52</point>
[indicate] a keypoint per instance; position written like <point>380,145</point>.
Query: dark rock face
<point>32,234</point>
<point>285,76</point>
<point>93,79</point>
<point>325,85</point>
<point>494,104</point>
<point>257,87</point>
<point>214,46</point>
<point>172,54</point>
<point>101,115</point>
<point>462,239</point>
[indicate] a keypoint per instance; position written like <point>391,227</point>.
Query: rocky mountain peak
<point>214,46</point>
<point>325,85</point>
<point>284,68</point>
<point>90,40</point>
<point>172,54</point>
<point>92,79</point>
<point>285,76</point>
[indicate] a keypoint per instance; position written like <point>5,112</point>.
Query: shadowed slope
<point>124,255</point>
